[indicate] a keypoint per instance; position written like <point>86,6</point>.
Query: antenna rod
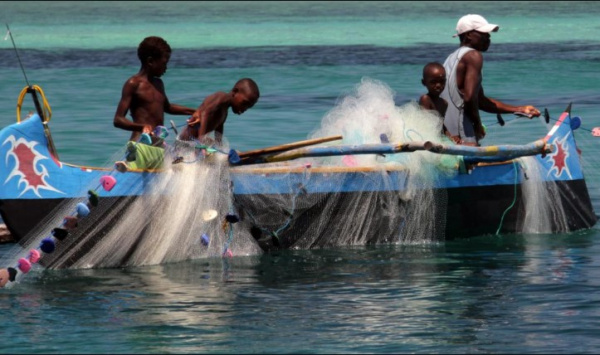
<point>38,107</point>
<point>18,57</point>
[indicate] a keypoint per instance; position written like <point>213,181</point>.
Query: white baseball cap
<point>474,22</point>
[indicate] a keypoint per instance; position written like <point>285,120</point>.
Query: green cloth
<point>147,157</point>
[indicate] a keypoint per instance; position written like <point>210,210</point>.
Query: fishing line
<point>518,115</point>
<point>513,201</point>
<point>9,33</point>
<point>174,127</point>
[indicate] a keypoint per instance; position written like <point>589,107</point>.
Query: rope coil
<point>46,110</point>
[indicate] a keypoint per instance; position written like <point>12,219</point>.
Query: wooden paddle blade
<point>288,146</point>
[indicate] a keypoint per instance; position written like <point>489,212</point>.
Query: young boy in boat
<point>434,79</point>
<point>212,113</point>
<point>144,96</point>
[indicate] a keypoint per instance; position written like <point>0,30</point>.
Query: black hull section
<point>475,211</point>
<point>470,212</point>
<point>467,212</point>
<point>21,216</point>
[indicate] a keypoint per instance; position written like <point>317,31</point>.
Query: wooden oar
<point>288,146</point>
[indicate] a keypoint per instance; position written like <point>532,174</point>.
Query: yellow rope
<point>46,110</point>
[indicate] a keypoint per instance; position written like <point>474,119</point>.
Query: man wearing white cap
<point>464,91</point>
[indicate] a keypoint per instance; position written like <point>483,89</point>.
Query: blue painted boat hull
<point>476,199</point>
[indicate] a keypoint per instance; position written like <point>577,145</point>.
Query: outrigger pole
<point>492,153</point>
<point>32,89</point>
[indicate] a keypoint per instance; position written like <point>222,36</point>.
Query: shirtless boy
<point>434,79</point>
<point>144,94</point>
<point>212,113</point>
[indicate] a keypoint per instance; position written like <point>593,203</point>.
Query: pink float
<point>34,256</point>
<point>108,182</point>
<point>24,265</point>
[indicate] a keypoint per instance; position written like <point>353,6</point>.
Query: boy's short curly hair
<point>432,65</point>
<point>154,47</point>
<point>247,85</point>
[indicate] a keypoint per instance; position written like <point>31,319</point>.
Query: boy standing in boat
<point>212,113</point>
<point>464,90</point>
<point>434,79</point>
<point>144,96</point>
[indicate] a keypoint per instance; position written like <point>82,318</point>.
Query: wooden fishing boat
<point>284,201</point>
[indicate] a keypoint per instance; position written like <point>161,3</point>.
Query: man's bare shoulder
<point>473,57</point>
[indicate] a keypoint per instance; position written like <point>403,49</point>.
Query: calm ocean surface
<point>491,294</point>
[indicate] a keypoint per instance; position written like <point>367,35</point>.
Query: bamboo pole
<point>288,146</point>
<point>342,150</point>
<point>510,151</point>
<point>500,152</point>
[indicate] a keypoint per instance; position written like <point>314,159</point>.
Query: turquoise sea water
<point>499,294</point>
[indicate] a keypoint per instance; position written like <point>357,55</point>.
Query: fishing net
<point>353,199</point>
<point>540,212</point>
<point>170,216</point>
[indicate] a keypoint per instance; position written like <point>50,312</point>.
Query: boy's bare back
<point>210,116</point>
<point>212,113</point>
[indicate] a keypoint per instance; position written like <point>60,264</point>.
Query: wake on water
<point>191,199</point>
